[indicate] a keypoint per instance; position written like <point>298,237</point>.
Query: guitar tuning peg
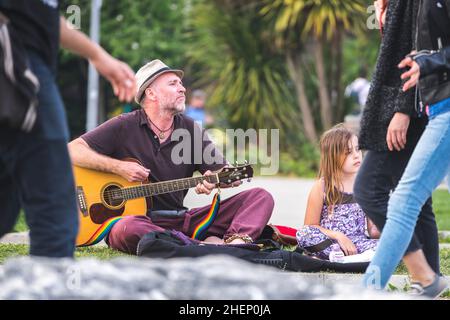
<point>245,162</point>
<point>246,175</point>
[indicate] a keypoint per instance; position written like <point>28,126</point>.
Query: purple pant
<point>245,213</point>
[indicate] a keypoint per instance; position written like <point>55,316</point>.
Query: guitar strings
<point>121,193</point>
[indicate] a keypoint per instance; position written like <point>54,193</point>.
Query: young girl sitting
<point>332,215</point>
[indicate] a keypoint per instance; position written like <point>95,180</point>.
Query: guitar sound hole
<point>112,195</point>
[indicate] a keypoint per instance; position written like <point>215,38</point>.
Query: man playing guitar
<point>145,135</point>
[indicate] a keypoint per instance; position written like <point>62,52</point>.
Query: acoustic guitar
<point>102,197</point>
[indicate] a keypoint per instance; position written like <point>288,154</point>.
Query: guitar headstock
<point>239,172</point>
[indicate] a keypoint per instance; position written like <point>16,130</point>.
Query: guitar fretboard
<point>152,189</point>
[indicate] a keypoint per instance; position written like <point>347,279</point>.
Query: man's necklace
<point>161,133</point>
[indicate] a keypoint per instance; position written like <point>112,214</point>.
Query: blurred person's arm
<point>380,11</point>
<point>118,73</point>
<point>372,229</point>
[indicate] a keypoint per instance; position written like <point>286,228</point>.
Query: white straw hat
<point>148,73</point>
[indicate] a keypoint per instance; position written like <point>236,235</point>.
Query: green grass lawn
<point>444,259</point>
<point>105,253</point>
<point>21,224</point>
<point>441,206</point>
<point>102,253</point>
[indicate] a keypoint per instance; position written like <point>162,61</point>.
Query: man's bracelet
<point>244,237</point>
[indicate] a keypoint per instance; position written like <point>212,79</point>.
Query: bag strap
<point>3,19</point>
<point>319,247</point>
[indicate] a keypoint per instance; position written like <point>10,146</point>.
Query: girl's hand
<point>346,244</point>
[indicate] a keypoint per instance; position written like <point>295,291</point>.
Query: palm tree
<point>315,28</point>
<point>229,50</point>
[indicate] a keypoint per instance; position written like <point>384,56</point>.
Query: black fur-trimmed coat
<point>386,96</point>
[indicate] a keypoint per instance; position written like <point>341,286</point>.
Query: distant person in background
<point>358,89</point>
<point>196,108</point>
<point>35,168</point>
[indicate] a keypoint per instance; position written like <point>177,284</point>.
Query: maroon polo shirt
<point>130,135</point>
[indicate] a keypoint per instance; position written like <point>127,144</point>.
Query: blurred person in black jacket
<point>35,168</point>
<point>391,126</point>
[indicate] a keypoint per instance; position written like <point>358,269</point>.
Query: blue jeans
<point>378,176</point>
<point>36,174</point>
<point>429,164</point>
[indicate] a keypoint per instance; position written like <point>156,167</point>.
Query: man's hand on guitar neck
<point>131,171</point>
<point>206,187</point>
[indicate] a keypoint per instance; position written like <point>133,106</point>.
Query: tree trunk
<point>339,115</point>
<point>324,97</point>
<point>295,71</point>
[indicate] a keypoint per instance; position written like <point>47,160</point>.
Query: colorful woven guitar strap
<point>101,232</point>
<point>200,230</point>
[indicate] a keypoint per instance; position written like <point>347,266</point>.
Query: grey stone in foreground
<point>212,277</point>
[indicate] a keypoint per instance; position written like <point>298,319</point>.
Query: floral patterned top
<point>348,218</point>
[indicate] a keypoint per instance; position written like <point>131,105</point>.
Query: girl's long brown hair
<point>333,149</point>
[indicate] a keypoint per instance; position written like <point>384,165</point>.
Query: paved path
<point>290,195</point>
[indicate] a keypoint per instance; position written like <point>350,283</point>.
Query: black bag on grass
<point>173,244</point>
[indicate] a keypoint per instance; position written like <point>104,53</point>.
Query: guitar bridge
<point>81,200</point>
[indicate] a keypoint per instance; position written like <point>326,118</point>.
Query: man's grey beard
<point>179,108</point>
<point>175,109</point>
<point>182,107</point>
